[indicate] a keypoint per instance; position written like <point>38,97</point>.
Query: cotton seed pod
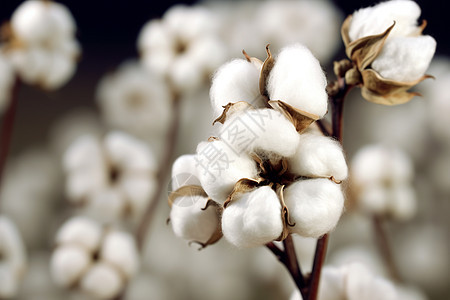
<point>80,231</point>
<point>315,206</point>
<point>320,156</point>
<point>102,281</point>
<point>256,130</point>
<point>68,264</point>
<point>253,219</point>
<point>298,80</point>
<point>220,167</point>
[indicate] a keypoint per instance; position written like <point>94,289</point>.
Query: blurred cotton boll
<point>43,48</point>
<point>6,81</point>
<point>100,259</point>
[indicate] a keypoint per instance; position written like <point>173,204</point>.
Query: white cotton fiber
<point>318,155</point>
<point>235,81</point>
<point>61,69</point>
<point>81,231</point>
<point>185,74</point>
<point>254,219</point>
<point>403,205</point>
<point>374,199</point>
<point>189,220</point>
<point>297,79</point>
<point>102,281</point>
<point>184,172</point>
<point>332,284</point>
<point>119,249</point>
<point>405,58</point>
<point>138,189</point>
<point>68,263</point>
<point>315,206</point>
<point>376,19</point>
<point>220,167</point>
<point>260,129</point>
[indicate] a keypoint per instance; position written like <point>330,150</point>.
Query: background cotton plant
<point>281,143</point>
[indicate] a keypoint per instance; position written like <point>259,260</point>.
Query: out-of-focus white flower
<point>113,177</point>
<point>101,260</point>
<point>136,100</point>
<point>353,281</point>
<point>12,258</point>
<point>6,81</point>
<point>42,46</point>
<point>382,181</point>
<point>398,54</point>
<point>183,46</point>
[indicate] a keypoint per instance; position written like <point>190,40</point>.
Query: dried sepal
<point>299,118</point>
<point>363,51</point>
<point>341,67</point>
<point>217,235</point>
<point>345,29</point>
<point>242,186</point>
<point>379,90</point>
<point>255,61</point>
<point>284,213</point>
<point>231,109</point>
<point>186,190</point>
<point>265,71</point>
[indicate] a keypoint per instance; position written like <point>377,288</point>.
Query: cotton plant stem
<point>382,242</point>
<point>163,173</point>
<point>7,128</point>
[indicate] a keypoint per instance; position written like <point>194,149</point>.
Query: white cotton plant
<point>183,46</point>
<point>113,177</point>
<point>13,259</point>
<point>382,179</point>
<point>42,47</point>
<point>98,260</point>
<point>135,99</point>
<point>6,81</point>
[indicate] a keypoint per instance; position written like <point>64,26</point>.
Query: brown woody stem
<point>164,171</point>
<point>7,127</point>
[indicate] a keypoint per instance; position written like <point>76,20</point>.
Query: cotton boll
<point>298,80</point>
<point>404,204</point>
<point>68,263</point>
<point>60,71</point>
<point>31,64</point>
<point>82,231</point>
<point>315,206</point>
<point>209,52</point>
<point>6,82</point>
<point>154,36</point>
<point>318,156</point>
<point>374,199</point>
<point>138,190</point>
<point>83,152</point>
<point>185,74</point>
<point>102,281</point>
<point>189,220</point>
<point>235,81</point>
<point>184,172</point>
<point>254,219</point>
<point>405,58</point>
<point>358,253</point>
<point>220,167</point>
<point>119,249</point>
<point>260,129</point>
<point>376,19</point>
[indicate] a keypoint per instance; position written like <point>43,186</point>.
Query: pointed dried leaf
<point>187,190</point>
<point>265,71</point>
<point>363,51</point>
<point>242,186</point>
<point>255,61</point>
<point>344,31</point>
<point>232,108</point>
<point>301,119</point>
<point>389,99</point>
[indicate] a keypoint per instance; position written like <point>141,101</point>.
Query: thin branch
<point>319,258</point>
<point>7,127</point>
<point>324,127</point>
<point>163,173</point>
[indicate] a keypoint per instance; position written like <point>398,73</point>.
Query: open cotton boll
<point>6,81</point>
<point>59,72</point>
<point>376,19</point>
<point>254,219</point>
<point>138,190</point>
<point>102,281</point>
<point>318,156</point>
<point>119,249</point>
<point>189,220</point>
<point>68,263</point>
<point>184,171</point>
<point>374,198</point>
<point>315,206</point>
<point>81,231</point>
<point>237,80</point>
<point>220,167</point>
<point>201,52</point>
<point>31,64</point>
<point>405,58</point>
<point>298,80</point>
<point>404,204</point>
<point>185,75</point>
<point>260,129</point>
<point>83,153</point>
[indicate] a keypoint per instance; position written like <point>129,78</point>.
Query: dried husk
<point>284,214</point>
<point>231,109</point>
<point>265,71</point>
<point>186,190</point>
<point>301,119</point>
<point>242,186</point>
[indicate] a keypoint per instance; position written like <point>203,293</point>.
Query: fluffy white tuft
<point>68,263</point>
<point>318,156</point>
<point>184,172</point>
<point>102,281</point>
<point>403,205</point>
<point>405,58</point>
<point>119,249</point>
<point>220,167</point>
<point>374,198</point>
<point>189,220</point>
<point>297,79</point>
<point>254,219</point>
<point>237,80</point>
<point>264,130</point>
<point>81,231</point>
<point>315,206</point>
